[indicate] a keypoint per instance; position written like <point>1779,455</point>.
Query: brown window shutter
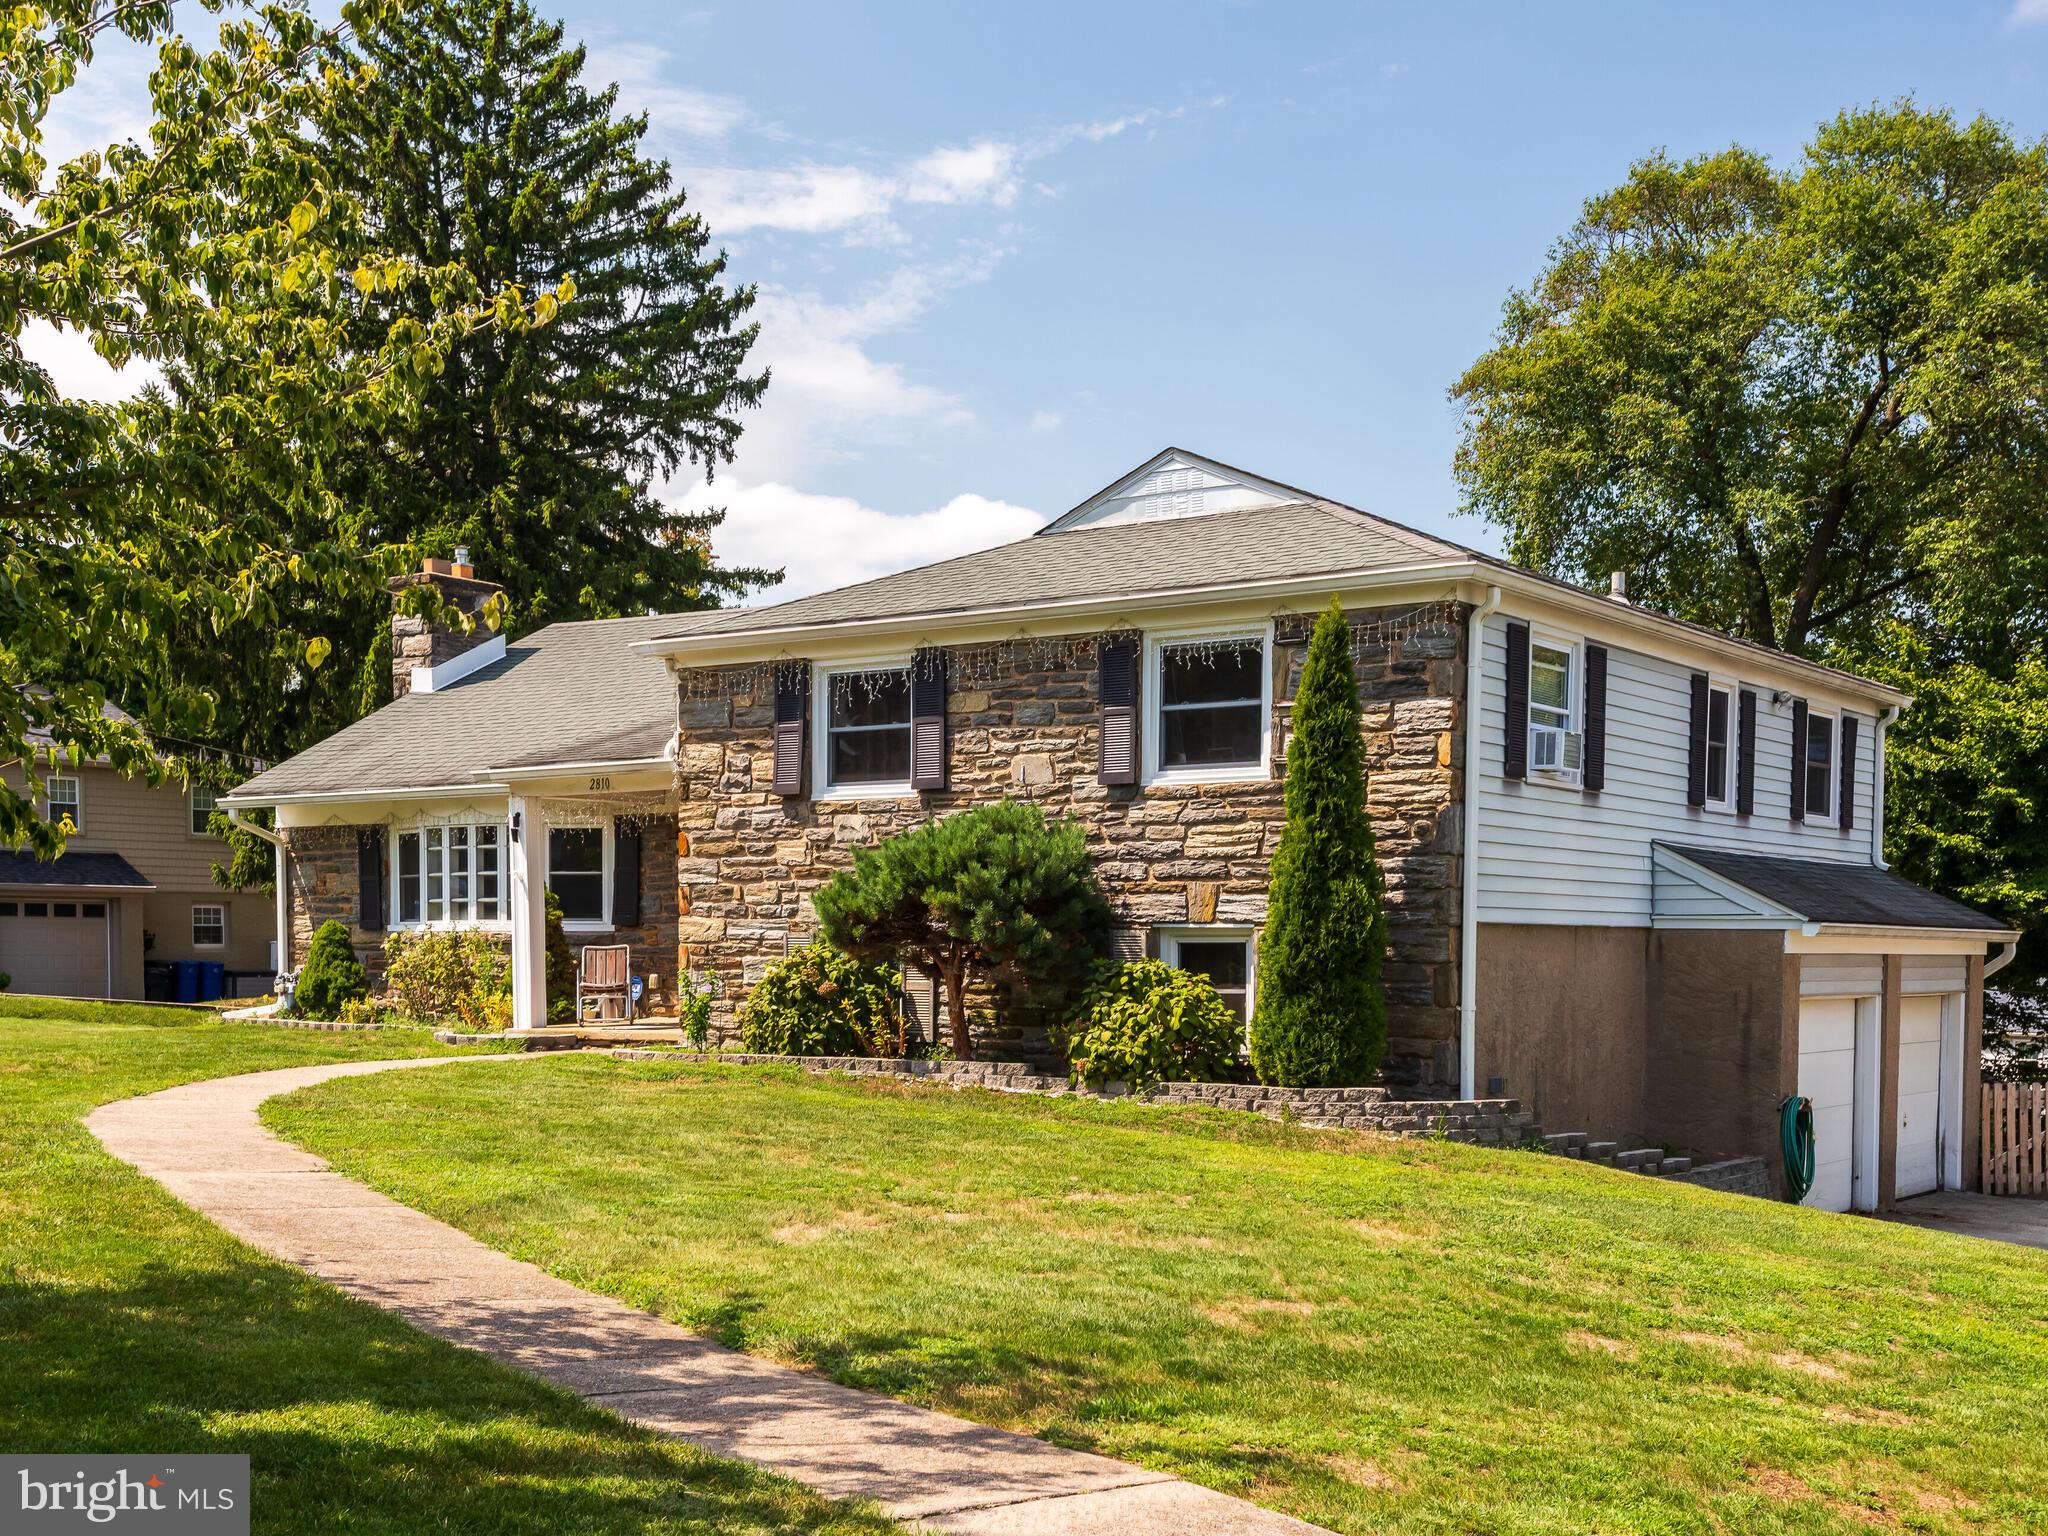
<point>1514,757</point>
<point>1116,681</point>
<point>1696,744</point>
<point>792,712</point>
<point>928,720</point>
<point>625,877</point>
<point>1593,761</point>
<point>1799,759</point>
<point>1745,754</point>
<point>370,878</point>
<point>1845,796</point>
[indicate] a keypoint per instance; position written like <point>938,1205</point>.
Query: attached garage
<point>57,948</point>
<point>1838,1076</point>
<point>61,928</point>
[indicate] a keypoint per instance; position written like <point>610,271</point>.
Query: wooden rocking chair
<point>604,972</point>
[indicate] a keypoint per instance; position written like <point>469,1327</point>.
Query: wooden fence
<point>2015,1139</point>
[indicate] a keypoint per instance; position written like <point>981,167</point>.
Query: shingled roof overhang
<point>1829,898</point>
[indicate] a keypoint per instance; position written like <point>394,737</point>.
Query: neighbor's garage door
<point>55,948</point>
<point>1827,1076</point>
<point>1919,1165</point>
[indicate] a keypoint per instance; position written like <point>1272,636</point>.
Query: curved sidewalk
<point>203,1142</point>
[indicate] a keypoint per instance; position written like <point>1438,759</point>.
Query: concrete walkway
<point>205,1145</point>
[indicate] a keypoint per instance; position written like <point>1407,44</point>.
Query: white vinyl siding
<point>1678,895</point>
<point>1552,853</point>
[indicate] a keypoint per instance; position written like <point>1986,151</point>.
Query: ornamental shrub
<point>561,968</point>
<point>994,893</point>
<point>694,1008</point>
<point>446,974</point>
<point>331,976</point>
<point>1320,1019</point>
<point>820,1001</point>
<point>1145,1021</point>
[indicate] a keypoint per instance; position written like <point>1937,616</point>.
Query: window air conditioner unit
<point>1553,750</point>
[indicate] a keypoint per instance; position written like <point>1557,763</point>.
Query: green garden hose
<point>1795,1139</point>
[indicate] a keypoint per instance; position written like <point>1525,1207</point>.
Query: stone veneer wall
<point>324,884</point>
<point>748,860</point>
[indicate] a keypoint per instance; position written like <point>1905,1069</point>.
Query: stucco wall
<point>1723,1040</point>
<point>750,859</point>
<point>1561,1023</point>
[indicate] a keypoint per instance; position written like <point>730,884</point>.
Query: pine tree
<point>1321,1018</point>
<point>537,446</point>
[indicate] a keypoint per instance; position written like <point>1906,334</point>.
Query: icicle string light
<point>994,661</point>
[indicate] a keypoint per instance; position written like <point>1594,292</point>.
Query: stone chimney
<point>418,642</point>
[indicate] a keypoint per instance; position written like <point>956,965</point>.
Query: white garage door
<point>1827,1076</point>
<point>54,948</point>
<point>1919,1165</point>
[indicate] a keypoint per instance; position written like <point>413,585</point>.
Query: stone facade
<point>325,885</point>
<point>748,859</point>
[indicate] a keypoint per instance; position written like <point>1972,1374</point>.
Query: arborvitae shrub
<point>331,976</point>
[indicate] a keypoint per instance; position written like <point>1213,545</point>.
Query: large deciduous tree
<point>1789,402</point>
<point>1320,1019</point>
<point>223,244</point>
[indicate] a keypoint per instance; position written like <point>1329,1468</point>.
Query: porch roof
<point>570,693</point>
<point>1839,894</point>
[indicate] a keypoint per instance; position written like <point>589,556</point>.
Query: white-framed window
<point>449,876</point>
<point>209,927</point>
<point>1209,709</point>
<point>862,740</point>
<point>1817,757</point>
<point>202,809</point>
<point>1227,956</point>
<point>1556,686</point>
<point>63,793</point>
<point>580,874</point>
<point>1720,745</point>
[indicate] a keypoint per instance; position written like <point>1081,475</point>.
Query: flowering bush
<point>1145,1021</point>
<point>820,1001</point>
<point>464,974</point>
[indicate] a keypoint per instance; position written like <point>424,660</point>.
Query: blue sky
<point>1006,252</point>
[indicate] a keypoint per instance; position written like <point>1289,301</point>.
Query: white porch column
<point>529,914</point>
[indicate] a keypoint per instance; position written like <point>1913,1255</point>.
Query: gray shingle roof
<point>1307,538</point>
<point>74,869</point>
<point>1824,892</point>
<point>569,693</point>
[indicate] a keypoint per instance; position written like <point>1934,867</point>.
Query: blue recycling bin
<point>213,979</point>
<point>188,980</point>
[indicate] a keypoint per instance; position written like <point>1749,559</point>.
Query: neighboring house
<point>1633,866</point>
<point>132,889</point>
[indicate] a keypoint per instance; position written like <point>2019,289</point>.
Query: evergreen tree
<point>331,976</point>
<point>537,446</point>
<point>1321,1018</point>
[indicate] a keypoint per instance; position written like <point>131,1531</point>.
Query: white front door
<point>1828,1077</point>
<point>1919,1150</point>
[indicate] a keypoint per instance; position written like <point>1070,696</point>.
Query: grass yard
<point>1376,1336</point>
<point>129,1323</point>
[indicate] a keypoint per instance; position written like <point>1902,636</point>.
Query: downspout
<point>1877,788</point>
<point>2001,960</point>
<point>279,854</point>
<point>1468,899</point>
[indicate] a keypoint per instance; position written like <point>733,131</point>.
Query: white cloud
<point>985,172</point>
<point>78,371</point>
<point>805,200</point>
<point>1047,421</point>
<point>679,110</point>
<point>831,541</point>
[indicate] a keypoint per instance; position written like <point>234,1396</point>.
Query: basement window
<point>1225,955</point>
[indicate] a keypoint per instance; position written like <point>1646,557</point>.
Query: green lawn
<point>128,1323</point>
<point>1377,1336</point>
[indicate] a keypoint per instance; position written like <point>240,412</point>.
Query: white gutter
<point>2002,959</point>
<point>280,856</point>
<point>1877,787</point>
<point>319,796</point>
<point>1468,900</point>
<point>596,765</point>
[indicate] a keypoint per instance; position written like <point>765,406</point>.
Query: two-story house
<point>132,890</point>
<point>1633,866</point>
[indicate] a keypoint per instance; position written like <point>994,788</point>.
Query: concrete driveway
<point>1997,1218</point>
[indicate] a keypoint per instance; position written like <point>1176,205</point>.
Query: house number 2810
<point>601,781</point>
